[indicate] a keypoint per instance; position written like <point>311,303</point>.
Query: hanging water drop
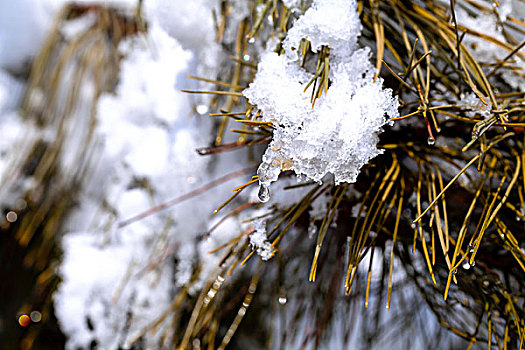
<point>473,263</point>
<point>264,193</point>
<point>282,300</point>
<point>470,248</point>
<point>455,271</point>
<point>431,141</point>
<point>466,265</point>
<point>413,225</point>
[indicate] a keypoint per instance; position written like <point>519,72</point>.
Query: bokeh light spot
<point>11,216</point>
<point>36,316</point>
<point>24,320</point>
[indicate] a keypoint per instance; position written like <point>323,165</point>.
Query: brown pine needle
<point>217,82</point>
<point>255,122</point>
<point>243,62</point>
<point>242,311</point>
<point>184,197</point>
<point>399,78</point>
<point>249,132</point>
<point>502,62</point>
<point>230,93</point>
<point>406,115</point>
<point>226,114</point>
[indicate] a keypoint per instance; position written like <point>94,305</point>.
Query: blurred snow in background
<point>117,280</point>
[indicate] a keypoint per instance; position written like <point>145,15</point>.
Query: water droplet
<point>466,265</point>
<point>282,300</point>
<point>246,57</point>
<point>502,236</point>
<point>486,283</point>
<point>473,263</point>
<point>470,248</point>
<point>431,141</point>
<point>438,129</point>
<point>455,271</point>
<point>264,193</point>
<point>251,40</point>
<point>202,109</point>
<point>518,218</point>
<point>413,225</point>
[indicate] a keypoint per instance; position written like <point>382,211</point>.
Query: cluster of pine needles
<point>443,207</point>
<point>444,203</point>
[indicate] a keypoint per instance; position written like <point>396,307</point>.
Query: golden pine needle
<point>498,207</point>
<point>255,122</point>
<point>396,227</point>
<point>369,276</point>
<point>254,180</point>
<point>232,197</point>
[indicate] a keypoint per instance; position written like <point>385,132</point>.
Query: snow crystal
<point>339,135</point>
<point>259,241</point>
<point>475,106</point>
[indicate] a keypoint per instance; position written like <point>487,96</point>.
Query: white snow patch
<point>259,241</point>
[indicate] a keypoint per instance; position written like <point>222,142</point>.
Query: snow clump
<point>259,242</point>
<point>339,135</point>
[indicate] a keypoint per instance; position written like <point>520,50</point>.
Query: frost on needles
<point>340,134</point>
